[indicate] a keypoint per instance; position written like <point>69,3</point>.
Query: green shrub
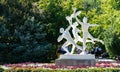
<point>112,42</point>
<point>66,70</point>
<point>1,69</point>
<point>22,33</point>
<point>26,44</point>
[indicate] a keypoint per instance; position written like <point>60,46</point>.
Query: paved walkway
<point>106,60</point>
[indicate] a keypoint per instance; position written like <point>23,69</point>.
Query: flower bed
<point>63,70</point>
<point>53,66</point>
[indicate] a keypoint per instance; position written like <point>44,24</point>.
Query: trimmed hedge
<point>64,70</point>
<point>1,69</point>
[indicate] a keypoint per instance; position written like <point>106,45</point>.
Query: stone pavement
<point>105,60</point>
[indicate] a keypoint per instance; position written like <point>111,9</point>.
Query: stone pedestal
<point>76,60</point>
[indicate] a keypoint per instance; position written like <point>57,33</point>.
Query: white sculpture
<point>67,36</point>
<point>75,31</point>
<point>86,33</point>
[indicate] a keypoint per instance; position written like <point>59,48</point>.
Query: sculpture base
<point>76,60</point>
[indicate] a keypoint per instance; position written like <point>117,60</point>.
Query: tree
<point>105,13</point>
<point>56,11</point>
<point>22,33</point>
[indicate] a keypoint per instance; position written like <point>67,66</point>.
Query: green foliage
<point>105,13</point>
<point>1,69</point>
<point>54,17</point>
<point>112,42</point>
<point>115,4</point>
<point>27,43</point>
<point>57,10</point>
<point>22,33</point>
<point>108,41</point>
<point>72,70</point>
<point>112,29</point>
<point>27,26</point>
<point>32,42</point>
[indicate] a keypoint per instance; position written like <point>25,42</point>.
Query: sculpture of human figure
<point>75,14</point>
<point>73,41</point>
<point>86,34</point>
<point>74,29</point>
<point>75,32</point>
<point>85,27</point>
<point>67,36</point>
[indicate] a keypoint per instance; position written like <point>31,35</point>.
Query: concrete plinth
<point>76,60</point>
